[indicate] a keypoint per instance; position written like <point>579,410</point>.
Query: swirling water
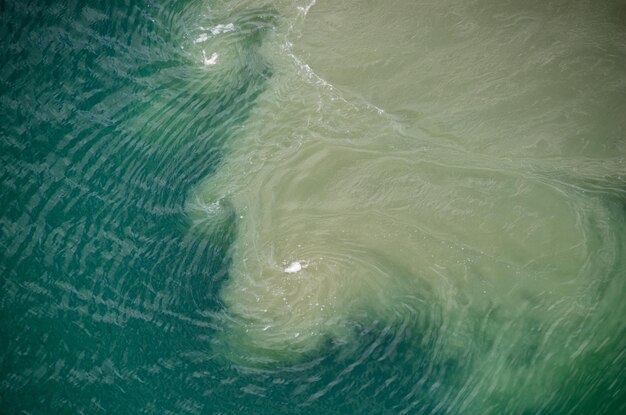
<point>313,207</point>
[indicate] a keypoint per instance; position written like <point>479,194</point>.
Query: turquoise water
<point>299,207</point>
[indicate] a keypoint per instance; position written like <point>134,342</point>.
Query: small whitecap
<point>209,61</point>
<point>295,266</point>
<point>202,38</point>
<point>222,28</point>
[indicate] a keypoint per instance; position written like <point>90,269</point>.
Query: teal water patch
<point>109,117</point>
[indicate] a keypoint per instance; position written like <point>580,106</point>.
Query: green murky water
<point>249,206</point>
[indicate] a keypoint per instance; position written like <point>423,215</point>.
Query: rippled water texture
<point>290,206</point>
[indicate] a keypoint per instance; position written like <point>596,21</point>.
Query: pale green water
<point>314,207</point>
<point>412,161</point>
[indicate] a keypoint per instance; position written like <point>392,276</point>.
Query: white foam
<point>215,30</point>
<point>222,28</point>
<point>209,61</point>
<point>202,38</point>
<point>304,10</point>
<point>294,267</point>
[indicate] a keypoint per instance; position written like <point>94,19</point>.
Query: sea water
<point>313,207</point>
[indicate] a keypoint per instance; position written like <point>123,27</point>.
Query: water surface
<point>313,207</point>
